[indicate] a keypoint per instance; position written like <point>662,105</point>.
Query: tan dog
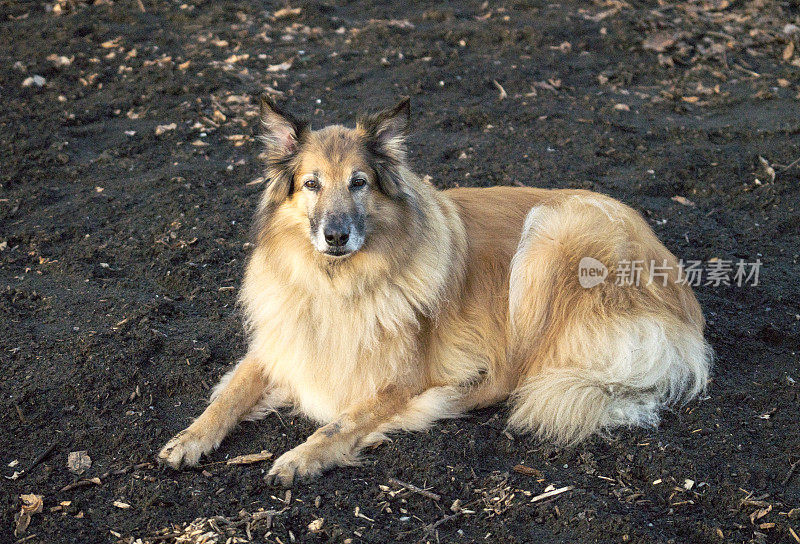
<point>376,303</point>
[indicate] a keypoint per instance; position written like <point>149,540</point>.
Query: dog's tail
<point>626,375</point>
<point>604,355</point>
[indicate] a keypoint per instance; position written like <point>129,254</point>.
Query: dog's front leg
<point>234,398</point>
<point>339,442</point>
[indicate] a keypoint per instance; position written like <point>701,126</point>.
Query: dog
<point>375,303</point>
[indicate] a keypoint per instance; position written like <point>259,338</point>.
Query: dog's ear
<point>281,130</point>
<point>386,134</point>
<point>389,128</point>
<point>282,135</point>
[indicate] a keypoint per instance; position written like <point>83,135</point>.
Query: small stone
<point>37,80</point>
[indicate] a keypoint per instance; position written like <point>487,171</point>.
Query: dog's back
<point>574,358</point>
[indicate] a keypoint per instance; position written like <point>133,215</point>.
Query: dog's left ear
<point>386,134</point>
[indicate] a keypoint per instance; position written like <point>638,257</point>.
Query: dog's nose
<point>337,235</point>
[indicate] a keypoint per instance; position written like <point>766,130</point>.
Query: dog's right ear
<point>282,134</point>
<point>281,130</point>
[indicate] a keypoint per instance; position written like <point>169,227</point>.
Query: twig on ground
<point>41,457</point>
<point>81,483</point>
<point>430,528</point>
<point>415,489</point>
<point>793,163</point>
<point>791,472</point>
<point>98,480</point>
<point>250,458</point>
<point>19,414</point>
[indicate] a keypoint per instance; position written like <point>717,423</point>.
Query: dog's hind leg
<point>339,442</point>
<point>240,392</point>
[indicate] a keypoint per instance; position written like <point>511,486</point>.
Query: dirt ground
<point>129,173</point>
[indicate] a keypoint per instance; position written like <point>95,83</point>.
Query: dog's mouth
<point>338,252</point>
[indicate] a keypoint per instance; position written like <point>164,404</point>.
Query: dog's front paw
<point>294,465</point>
<point>184,450</point>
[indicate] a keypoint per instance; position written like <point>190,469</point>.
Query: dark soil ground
<point>122,245</point>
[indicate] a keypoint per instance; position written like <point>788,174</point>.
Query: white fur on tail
<point>629,372</point>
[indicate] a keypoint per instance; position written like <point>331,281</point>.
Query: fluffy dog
<point>375,303</point>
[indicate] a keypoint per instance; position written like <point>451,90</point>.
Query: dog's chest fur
<point>331,351</point>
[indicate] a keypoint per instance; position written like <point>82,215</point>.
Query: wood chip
<point>659,42</point>
<point>788,51</point>
<point>767,168</point>
<point>758,514</point>
<point>282,67</point>
<point>553,493</point>
<point>528,471</point>
<point>503,93</point>
<point>287,12</point>
<point>683,200</point>
<point>161,129</point>
<point>60,60</point>
<point>236,58</point>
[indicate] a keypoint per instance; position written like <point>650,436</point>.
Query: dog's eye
<point>311,183</point>
<point>358,182</point>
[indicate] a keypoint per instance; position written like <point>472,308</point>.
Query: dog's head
<point>334,180</point>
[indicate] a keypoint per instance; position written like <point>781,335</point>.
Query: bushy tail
<point>605,355</point>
